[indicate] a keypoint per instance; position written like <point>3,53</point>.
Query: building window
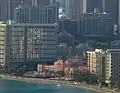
<point>1,53</point>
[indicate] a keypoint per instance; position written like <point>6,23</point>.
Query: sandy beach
<point>47,81</point>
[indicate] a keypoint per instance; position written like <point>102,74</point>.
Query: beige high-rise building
<point>105,64</point>
<point>96,62</point>
<point>2,43</point>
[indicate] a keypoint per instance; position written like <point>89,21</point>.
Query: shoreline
<point>66,83</point>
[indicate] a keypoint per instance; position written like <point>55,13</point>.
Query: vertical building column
<point>52,1</point>
<point>9,10</point>
<point>103,5</point>
<point>34,2</point>
<point>67,8</point>
<point>84,6</point>
<point>119,18</point>
<point>119,14</point>
<point>22,2</point>
<point>74,8</point>
<point>25,44</point>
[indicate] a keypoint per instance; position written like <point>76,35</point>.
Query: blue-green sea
<point>7,86</point>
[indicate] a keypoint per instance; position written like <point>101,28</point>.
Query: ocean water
<point>7,86</point>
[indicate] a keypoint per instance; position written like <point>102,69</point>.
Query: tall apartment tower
<point>112,6</point>
<point>119,14</point>
<point>95,24</point>
<point>43,2</point>
<point>112,67</point>
<point>52,1</point>
<point>7,7</point>
<point>3,44</point>
<point>74,8</point>
<point>37,14</point>
<point>29,44</point>
<point>96,62</point>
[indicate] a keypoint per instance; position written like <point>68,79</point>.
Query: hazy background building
<point>42,2</point>
<point>7,7</point>
<point>37,14</point>
<point>115,44</point>
<point>95,24</point>
<point>91,4</point>
<point>74,8</point>
<point>112,6</point>
<point>61,2</point>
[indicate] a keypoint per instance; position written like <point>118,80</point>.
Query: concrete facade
<point>31,44</point>
<point>95,62</point>
<point>113,67</point>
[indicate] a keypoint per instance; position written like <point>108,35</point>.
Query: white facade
<point>62,13</point>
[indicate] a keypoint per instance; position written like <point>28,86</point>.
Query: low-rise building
<point>49,68</point>
<point>83,69</point>
<point>58,65</point>
<point>40,68</point>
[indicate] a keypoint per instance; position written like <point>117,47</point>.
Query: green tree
<point>59,73</point>
<point>85,77</point>
<point>91,78</point>
<point>78,76</point>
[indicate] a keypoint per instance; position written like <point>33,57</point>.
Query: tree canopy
<point>85,77</point>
